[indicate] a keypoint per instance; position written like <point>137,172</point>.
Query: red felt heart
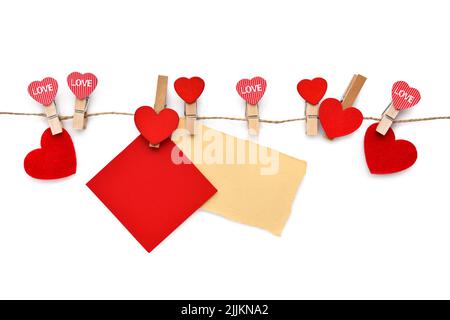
<point>251,90</point>
<point>189,89</point>
<point>55,160</point>
<point>403,96</point>
<point>82,85</point>
<point>44,91</point>
<point>312,90</point>
<point>156,127</point>
<point>338,122</point>
<point>385,155</point>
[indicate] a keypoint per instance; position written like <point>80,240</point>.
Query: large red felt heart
<point>55,160</point>
<point>156,127</point>
<point>403,96</point>
<point>338,122</point>
<point>82,85</point>
<point>312,90</point>
<point>189,89</point>
<point>251,90</point>
<point>385,155</point>
<point>44,91</point>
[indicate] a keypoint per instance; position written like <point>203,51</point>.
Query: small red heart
<point>82,85</point>
<point>189,89</point>
<point>156,127</point>
<point>55,160</point>
<point>403,96</point>
<point>385,155</point>
<point>251,90</point>
<point>338,122</point>
<point>44,91</point>
<point>312,90</point>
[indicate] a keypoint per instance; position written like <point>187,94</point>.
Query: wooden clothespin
<point>82,86</point>
<point>403,97</point>
<point>45,92</point>
<point>353,90</point>
<point>312,91</point>
<point>252,91</point>
<point>160,98</point>
<point>190,90</point>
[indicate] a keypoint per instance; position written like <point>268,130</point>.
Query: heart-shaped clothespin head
<point>403,96</point>
<point>385,154</point>
<point>336,121</point>
<point>312,90</point>
<point>82,85</point>
<point>44,91</point>
<point>251,90</point>
<point>189,89</point>
<point>156,127</point>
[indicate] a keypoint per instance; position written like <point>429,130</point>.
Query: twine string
<point>115,113</point>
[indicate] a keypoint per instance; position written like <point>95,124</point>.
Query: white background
<point>351,234</point>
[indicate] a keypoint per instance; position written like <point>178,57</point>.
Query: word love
<point>251,90</point>
<point>44,91</point>
<point>403,96</point>
<point>82,85</point>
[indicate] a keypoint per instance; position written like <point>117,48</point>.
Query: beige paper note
<point>256,185</point>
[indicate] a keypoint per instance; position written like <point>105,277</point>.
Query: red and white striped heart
<point>82,85</point>
<point>251,90</point>
<point>403,96</point>
<point>44,91</point>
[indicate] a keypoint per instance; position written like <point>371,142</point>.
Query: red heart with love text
<point>251,90</point>
<point>312,90</point>
<point>336,121</point>
<point>44,91</point>
<point>55,159</point>
<point>156,127</point>
<point>403,96</point>
<point>82,85</point>
<point>189,89</point>
<point>385,155</point>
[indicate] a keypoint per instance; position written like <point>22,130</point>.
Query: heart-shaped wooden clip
<point>403,97</point>
<point>252,90</point>
<point>190,90</point>
<point>82,86</point>
<point>44,92</point>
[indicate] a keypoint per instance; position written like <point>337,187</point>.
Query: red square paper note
<point>150,194</point>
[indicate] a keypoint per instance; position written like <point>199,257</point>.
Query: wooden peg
<point>53,119</point>
<point>79,117</point>
<point>387,119</point>
<point>403,97</point>
<point>252,115</point>
<point>190,112</point>
<point>82,86</point>
<point>160,98</point>
<point>353,90</point>
<point>312,119</point>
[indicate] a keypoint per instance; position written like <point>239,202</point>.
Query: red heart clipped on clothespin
<point>312,90</point>
<point>336,121</point>
<point>403,96</point>
<point>44,91</point>
<point>385,155</point>
<point>251,90</point>
<point>82,85</point>
<point>55,159</point>
<point>156,127</point>
<point>189,89</point>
